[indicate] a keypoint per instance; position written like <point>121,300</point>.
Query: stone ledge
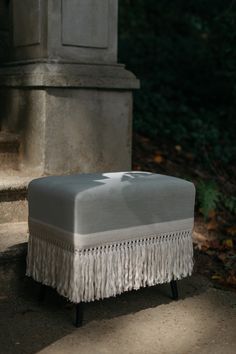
<point>13,199</point>
<point>9,138</point>
<point>14,183</point>
<point>47,74</point>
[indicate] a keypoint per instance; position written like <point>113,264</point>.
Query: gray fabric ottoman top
<point>86,210</point>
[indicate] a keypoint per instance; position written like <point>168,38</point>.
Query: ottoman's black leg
<point>174,290</point>
<point>42,292</point>
<point>78,315</point>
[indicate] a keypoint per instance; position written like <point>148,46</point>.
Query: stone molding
<point>45,74</point>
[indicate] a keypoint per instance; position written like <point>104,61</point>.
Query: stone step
<point>9,150</point>
<point>13,198</point>
<point>13,240</point>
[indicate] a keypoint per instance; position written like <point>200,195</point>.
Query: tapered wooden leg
<point>174,290</point>
<point>78,315</point>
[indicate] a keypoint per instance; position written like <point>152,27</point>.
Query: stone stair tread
<point>6,137</point>
<point>13,240</point>
<point>14,182</point>
<point>13,198</point>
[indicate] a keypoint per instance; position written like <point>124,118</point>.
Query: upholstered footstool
<point>93,236</point>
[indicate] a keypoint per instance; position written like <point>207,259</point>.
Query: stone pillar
<point>63,90</point>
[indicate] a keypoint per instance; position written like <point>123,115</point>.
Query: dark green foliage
<point>229,203</point>
<point>208,196</point>
<point>184,52</point>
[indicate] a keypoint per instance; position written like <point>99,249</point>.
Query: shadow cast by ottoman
<point>29,327</point>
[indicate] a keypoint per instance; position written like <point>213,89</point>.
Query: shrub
<point>185,55</point>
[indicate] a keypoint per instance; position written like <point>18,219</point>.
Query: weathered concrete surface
<point>71,130</point>
<point>13,211</point>
<point>93,131</point>
<point>13,193</point>
<point>23,111</point>
<point>9,149</point>
<point>144,321</point>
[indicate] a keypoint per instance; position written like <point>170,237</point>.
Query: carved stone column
<point>63,90</point>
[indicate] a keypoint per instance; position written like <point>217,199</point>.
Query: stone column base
<point>71,117</point>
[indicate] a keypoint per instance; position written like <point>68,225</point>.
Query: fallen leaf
<point>200,240</point>
<point>212,214</point>
<point>215,244</point>
<point>204,247</point>
<point>228,243</point>
<point>145,140</point>
<point>231,279</point>
<point>199,237</point>
<point>210,252</point>
<point>178,148</point>
<point>231,230</point>
<point>137,167</point>
<point>158,158</point>
<point>222,257</point>
<point>189,156</point>
<point>216,277</point>
<point>212,225</point>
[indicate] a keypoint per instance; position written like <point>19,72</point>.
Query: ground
<point>146,321</point>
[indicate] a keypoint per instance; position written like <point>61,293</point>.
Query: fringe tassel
<point>108,270</point>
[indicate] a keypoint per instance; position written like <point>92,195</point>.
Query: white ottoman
<point>94,236</point>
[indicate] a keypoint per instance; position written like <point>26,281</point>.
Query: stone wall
<point>4,29</point>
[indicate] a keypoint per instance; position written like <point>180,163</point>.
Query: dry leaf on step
<point>212,225</point>
<point>231,230</point>
<point>158,158</point>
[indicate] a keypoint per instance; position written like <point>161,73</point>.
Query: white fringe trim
<point>108,270</point>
